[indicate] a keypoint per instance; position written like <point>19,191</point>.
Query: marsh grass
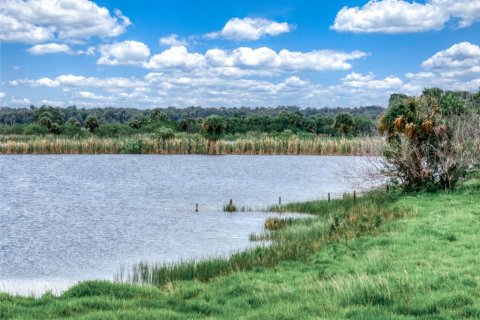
<point>230,207</point>
<point>291,239</point>
<point>189,144</point>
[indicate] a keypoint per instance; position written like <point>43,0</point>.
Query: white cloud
<point>467,11</point>
<point>249,61</point>
<point>399,16</point>
<point>461,55</point>
<point>161,89</point>
<point>20,101</point>
<point>248,29</point>
<point>356,80</point>
<point>87,95</point>
<point>175,57</point>
<point>12,30</point>
<point>454,68</point>
<point>2,95</point>
<point>49,48</point>
<point>34,21</point>
<point>172,41</point>
<point>124,53</point>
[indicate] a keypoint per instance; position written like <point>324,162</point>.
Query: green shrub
<point>36,129</point>
<point>164,133</point>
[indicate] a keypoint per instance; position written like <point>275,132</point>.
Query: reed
<point>190,144</point>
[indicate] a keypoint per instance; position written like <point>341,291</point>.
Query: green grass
<point>378,265</point>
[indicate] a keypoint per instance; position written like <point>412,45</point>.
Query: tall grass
<point>293,239</point>
<point>189,144</point>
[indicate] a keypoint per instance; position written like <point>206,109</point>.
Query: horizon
<point>347,54</point>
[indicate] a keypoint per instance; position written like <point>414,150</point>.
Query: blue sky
<point>234,53</point>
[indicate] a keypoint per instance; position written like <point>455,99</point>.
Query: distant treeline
<point>127,121</point>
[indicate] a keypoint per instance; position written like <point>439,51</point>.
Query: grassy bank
<point>410,257</point>
<point>188,144</point>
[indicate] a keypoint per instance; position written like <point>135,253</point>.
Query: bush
<point>432,140</point>
<point>164,133</point>
<point>114,130</point>
<point>72,130</point>
<point>35,129</point>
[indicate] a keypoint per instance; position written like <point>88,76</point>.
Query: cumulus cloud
<point>357,80</point>
<point>2,95</point>
<point>175,57</point>
<point>459,56</point>
<point>249,61</point>
<point>49,48</point>
<point>454,68</point>
<point>124,53</point>
<point>172,41</point>
<point>248,29</point>
<point>399,16</point>
<point>161,89</point>
<point>34,21</point>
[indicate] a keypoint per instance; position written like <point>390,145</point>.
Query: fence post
<point>329,197</point>
<point>196,207</point>
<point>279,201</point>
<point>388,187</point>
<point>354,196</point>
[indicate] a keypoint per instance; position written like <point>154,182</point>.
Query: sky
<point>149,54</point>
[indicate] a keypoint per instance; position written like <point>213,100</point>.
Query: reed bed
<point>190,144</point>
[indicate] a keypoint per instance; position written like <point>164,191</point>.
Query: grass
<point>188,144</point>
<point>363,260</point>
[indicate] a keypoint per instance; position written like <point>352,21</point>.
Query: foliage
<point>54,114</point>
<point>432,139</point>
<point>239,120</point>
<point>344,123</point>
<point>214,127</point>
<point>35,129</point>
<point>164,133</point>
<point>91,123</point>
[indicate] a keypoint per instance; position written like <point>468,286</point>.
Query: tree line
<point>127,121</point>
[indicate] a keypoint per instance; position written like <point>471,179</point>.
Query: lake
<point>69,218</point>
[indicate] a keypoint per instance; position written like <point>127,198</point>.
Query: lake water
<point>68,218</point>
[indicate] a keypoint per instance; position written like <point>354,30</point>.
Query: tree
<point>91,123</point>
<point>344,123</point>
<point>432,140</point>
<point>46,121</point>
<point>157,115</point>
<point>213,128</point>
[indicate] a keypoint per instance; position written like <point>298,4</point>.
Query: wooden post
<point>388,188</point>
<point>231,202</point>
<point>354,196</point>
<point>279,201</point>
<point>196,207</point>
<point>329,197</point>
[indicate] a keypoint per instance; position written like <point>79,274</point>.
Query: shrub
<point>164,133</point>
<point>35,129</point>
<point>432,140</point>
